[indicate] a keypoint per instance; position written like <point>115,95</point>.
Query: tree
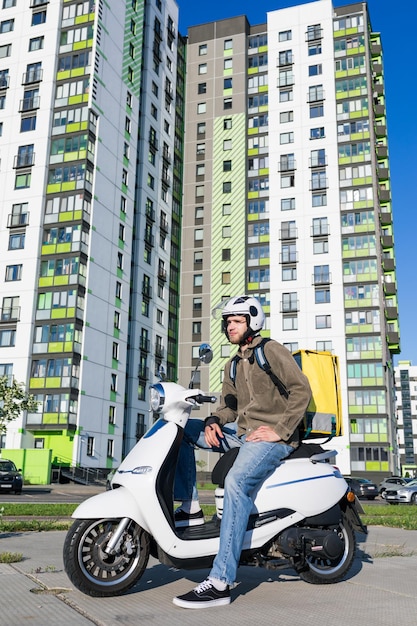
<point>13,400</point>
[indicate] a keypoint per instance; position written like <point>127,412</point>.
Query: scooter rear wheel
<point>92,570</point>
<point>322,570</point>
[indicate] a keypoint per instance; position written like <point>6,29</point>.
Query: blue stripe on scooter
<point>302,480</point>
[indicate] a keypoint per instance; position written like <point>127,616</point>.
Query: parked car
<point>10,477</point>
<point>362,487</point>
<point>405,493</point>
<point>392,483</point>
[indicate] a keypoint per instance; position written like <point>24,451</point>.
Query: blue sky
<point>396,28</point>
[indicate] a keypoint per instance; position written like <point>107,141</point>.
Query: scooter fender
<point>115,503</point>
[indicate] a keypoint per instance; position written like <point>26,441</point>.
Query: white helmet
<point>250,308</point>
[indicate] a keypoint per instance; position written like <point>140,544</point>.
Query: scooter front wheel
<point>94,571</point>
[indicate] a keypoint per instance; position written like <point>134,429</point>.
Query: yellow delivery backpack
<point>323,417</point>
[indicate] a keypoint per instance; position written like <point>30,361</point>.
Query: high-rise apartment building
<point>287,197</point>
<point>91,125</point>
<point>406,403</point>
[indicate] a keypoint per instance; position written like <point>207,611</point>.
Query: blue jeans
<point>255,461</point>
<point>186,475</point>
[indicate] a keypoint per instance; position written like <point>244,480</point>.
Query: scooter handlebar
<point>200,399</point>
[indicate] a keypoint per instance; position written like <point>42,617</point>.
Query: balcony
<point>379,110</point>
<point>378,89</point>
<point>29,104</point>
<point>318,161</point>
<point>317,184</point>
<point>321,230</point>
<point>166,179</point>
<point>288,257</point>
<point>387,241</point>
<point>377,69</point>
<point>24,160</point>
<point>149,238</point>
<point>376,49</point>
<point>322,278</point>
<point>159,351</point>
<point>164,224</point>
<point>393,337</point>
<point>385,218</point>
<point>143,372</point>
<point>380,130</point>
<point>162,275</point>
<point>388,264</point>
<point>15,220</point>
<point>288,233</point>
<point>153,142</point>
<point>150,213</point>
<point>314,34</point>
<point>34,76</point>
<point>390,289</point>
<point>144,344</point>
<point>289,307</point>
<point>381,151</point>
<point>391,313</point>
<point>316,95</point>
<point>166,155</point>
<point>285,59</point>
<point>169,93</point>
<point>146,290</point>
<point>10,314</point>
<point>382,173</point>
<point>287,165</point>
<point>384,195</point>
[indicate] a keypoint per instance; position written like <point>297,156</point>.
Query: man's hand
<point>212,434</point>
<point>263,433</point>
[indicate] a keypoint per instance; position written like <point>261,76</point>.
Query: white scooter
<point>303,514</point>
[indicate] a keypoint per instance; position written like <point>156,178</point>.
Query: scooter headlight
<point>157,397</point>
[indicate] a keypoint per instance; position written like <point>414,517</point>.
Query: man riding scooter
<point>267,432</point>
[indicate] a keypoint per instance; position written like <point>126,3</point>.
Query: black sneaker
<point>203,596</point>
<point>183,519</point>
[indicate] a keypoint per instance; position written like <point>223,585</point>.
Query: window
<point>201,107</point>
<point>226,254</point>
<point>201,128</point>
<point>200,169</point>
<point>314,48</point>
<point>323,321</point>
<point>227,187</point>
<point>7,338</point>
<point>289,322</point>
<point>6,26</point>
<point>226,232</point>
<point>286,116</point>
<point>90,446</point>
<point>285,35</point>
<point>7,4</point>
<point>27,124</point>
<point>13,272</point>
<point>198,280</point>
<point>322,295</point>
<point>226,209</point>
<point>202,49</point>
<point>227,144</point>
<point>202,88</point>
<point>285,78</point>
<point>316,110</point>
<point>228,44</point>
<point>202,68</point>
<point>317,133</point>
<point>199,191</point>
<point>5,51</point>
<point>227,166</point>
<point>289,273</point>
<point>287,180</point>
<point>320,226</point>
<point>110,448</point>
<point>16,241</point>
<point>321,275</point>
<point>285,95</point>
<point>227,103</point>
<point>325,346</point>
<point>287,204</point>
<point>228,64</point>
<point>227,123</point>
<point>286,138</point>
<point>318,199</point>
<point>315,70</point>
<point>38,18</point>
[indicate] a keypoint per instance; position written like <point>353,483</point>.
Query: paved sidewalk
<point>380,590</point>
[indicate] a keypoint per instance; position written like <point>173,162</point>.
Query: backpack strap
<point>233,366</point>
<point>263,363</point>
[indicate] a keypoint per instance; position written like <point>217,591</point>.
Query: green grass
<point>401,516</point>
